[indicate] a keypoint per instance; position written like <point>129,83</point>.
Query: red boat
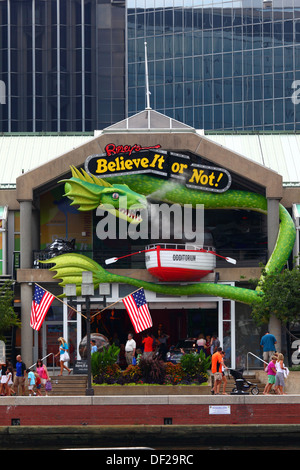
<point>171,262</point>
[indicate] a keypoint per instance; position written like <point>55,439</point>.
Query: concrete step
<point>68,385</point>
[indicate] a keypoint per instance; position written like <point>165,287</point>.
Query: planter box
<point>151,390</point>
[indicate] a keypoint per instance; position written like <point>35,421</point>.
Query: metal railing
<point>245,257</point>
<point>259,358</point>
<point>43,358</point>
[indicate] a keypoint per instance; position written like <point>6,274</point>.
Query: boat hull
<point>171,265</point>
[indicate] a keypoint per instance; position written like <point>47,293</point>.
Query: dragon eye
<point>115,196</point>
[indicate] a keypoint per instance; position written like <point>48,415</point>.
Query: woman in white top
<point>200,343</point>
<point>279,379</point>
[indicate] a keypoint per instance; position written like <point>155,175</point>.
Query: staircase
<point>68,385</point>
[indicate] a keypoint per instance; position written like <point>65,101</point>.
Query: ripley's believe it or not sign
<point>137,166</point>
<point>124,160</point>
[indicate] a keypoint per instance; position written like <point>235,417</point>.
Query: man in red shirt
<point>216,370</point>
<point>148,345</point>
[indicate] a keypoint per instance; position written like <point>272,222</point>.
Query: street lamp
<point>87,290</point>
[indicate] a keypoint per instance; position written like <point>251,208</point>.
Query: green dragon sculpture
<point>89,192</point>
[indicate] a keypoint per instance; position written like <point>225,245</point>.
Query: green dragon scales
<point>90,192</point>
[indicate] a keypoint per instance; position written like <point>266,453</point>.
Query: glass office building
<point>78,65</point>
<point>217,64</point>
<point>62,65</point>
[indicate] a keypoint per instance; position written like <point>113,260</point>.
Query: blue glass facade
<point>223,65</point>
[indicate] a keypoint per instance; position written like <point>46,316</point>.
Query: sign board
<point>126,160</point>
<point>80,367</point>
<point>219,410</point>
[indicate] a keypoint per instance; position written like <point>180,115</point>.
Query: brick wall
<point>57,414</point>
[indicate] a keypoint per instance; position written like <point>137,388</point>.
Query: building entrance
<point>178,318</point>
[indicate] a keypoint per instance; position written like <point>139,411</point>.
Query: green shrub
<point>194,364</point>
<point>101,360</point>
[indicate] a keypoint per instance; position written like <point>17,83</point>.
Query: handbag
<point>48,386</point>
<point>134,361</point>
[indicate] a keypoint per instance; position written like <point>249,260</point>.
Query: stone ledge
<point>131,400</point>
<point>151,390</point>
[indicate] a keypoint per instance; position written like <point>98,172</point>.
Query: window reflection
<point>242,59</point>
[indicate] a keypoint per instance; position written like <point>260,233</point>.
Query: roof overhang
<point>187,140</point>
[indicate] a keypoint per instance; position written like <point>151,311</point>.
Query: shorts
<point>271,379</point>
<point>267,355</point>
<point>19,381</point>
<point>279,379</point>
<point>217,376</point>
<point>30,387</point>
<point>3,379</point>
<point>64,357</point>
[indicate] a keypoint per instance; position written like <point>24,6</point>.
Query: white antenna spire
<point>148,93</point>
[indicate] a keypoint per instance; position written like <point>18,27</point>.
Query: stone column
<point>26,289</point>
<point>26,234</point>
<point>273,228</point>
<point>27,331</point>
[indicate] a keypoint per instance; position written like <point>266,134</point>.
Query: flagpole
<point>62,301</point>
<point>111,305</point>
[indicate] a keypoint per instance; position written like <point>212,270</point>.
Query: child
<point>10,381</point>
<point>138,355</point>
<point>31,382</point>
<point>271,371</point>
<point>38,383</point>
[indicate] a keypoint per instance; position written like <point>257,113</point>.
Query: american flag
<point>138,311</point>
<point>41,302</point>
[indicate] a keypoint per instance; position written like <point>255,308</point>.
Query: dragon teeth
<point>130,213</point>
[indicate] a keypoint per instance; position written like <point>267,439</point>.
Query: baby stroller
<point>242,386</point>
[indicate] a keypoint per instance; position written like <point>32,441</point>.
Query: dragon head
<point>90,192</point>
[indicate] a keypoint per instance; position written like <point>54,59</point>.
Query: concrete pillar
<point>273,228</point>
<point>26,234</point>
<point>26,289</point>
<point>27,331</point>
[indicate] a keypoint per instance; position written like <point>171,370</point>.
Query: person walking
<point>268,342</point>
<point>10,380</point>
<point>4,379</point>
<point>279,378</point>
<point>31,382</point>
<point>224,378</point>
<point>271,371</point>
<point>130,348</point>
<point>63,355</point>
<point>19,379</point>
<point>42,371</point>
<point>216,370</point>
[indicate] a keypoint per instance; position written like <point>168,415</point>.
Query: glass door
<point>51,333</point>
<point>227,330</point>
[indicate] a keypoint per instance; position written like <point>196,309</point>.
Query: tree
<point>279,296</point>
<point>8,317</point>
